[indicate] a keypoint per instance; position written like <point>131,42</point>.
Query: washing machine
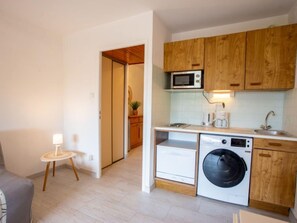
<point>224,168</point>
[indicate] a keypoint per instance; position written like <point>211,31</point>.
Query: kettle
<point>207,119</point>
<point>221,119</point>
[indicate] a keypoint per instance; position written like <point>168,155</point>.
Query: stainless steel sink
<point>271,132</point>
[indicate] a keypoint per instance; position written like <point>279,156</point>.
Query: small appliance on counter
<point>179,125</point>
<point>221,119</point>
<point>208,119</point>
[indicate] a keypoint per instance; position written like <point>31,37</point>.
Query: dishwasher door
<point>176,164</point>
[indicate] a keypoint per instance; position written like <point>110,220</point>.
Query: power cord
<point>210,102</point>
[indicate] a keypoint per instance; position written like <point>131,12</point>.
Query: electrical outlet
<point>90,157</point>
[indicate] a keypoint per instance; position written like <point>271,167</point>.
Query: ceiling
<point>68,16</point>
<point>129,55</point>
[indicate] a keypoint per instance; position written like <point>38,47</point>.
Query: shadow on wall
<point>22,149</point>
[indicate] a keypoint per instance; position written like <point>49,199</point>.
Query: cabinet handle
<point>264,155</point>
<point>274,144</point>
<point>138,132</point>
<point>255,83</point>
<point>195,64</point>
<point>234,85</point>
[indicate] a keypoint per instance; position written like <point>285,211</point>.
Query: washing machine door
<point>224,168</point>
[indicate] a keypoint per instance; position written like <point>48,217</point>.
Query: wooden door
<point>184,55</point>
<point>118,84</point>
<point>271,58</point>
<point>273,177</point>
<point>106,95</point>
<point>225,62</point>
<point>134,131</point>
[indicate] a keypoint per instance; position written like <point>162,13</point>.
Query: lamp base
<point>57,149</point>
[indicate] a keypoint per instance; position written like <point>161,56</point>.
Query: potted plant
<point>135,105</point>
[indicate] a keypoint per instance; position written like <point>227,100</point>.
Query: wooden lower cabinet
<point>135,132</point>
<point>273,178</point>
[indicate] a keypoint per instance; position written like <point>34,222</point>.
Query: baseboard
<point>176,187</point>
<point>147,189</point>
<point>41,173</point>
<point>269,207</point>
<point>84,171</point>
<point>292,216</point>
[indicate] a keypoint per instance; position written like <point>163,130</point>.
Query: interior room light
<point>57,141</point>
<point>222,95</point>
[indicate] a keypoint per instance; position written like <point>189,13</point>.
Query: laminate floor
<point>117,197</point>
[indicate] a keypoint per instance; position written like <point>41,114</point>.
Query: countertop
<point>224,131</point>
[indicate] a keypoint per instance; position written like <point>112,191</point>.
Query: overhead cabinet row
<point>256,60</point>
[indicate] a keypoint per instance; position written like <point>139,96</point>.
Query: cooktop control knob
<point>224,141</point>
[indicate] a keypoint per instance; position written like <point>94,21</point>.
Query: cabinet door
<point>271,58</point>
<point>140,132</point>
<point>184,55</point>
<point>273,177</point>
<point>225,62</point>
<point>134,132</point>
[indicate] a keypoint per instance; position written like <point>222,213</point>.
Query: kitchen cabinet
<point>176,162</point>
<point>225,62</point>
<point>273,178</point>
<point>271,58</point>
<point>135,131</point>
<point>184,55</point>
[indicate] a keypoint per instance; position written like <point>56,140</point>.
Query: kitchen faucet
<point>266,126</point>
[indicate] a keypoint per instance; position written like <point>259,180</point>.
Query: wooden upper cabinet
<point>184,55</point>
<point>271,58</point>
<point>225,62</point>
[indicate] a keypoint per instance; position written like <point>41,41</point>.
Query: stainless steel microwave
<point>187,79</point>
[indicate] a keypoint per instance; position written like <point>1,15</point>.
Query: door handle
<point>265,155</point>
<point>274,144</point>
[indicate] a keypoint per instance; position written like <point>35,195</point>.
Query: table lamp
<point>57,141</point>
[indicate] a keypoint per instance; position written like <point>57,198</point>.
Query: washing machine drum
<point>224,168</point>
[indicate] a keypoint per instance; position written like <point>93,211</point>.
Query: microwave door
<point>183,81</point>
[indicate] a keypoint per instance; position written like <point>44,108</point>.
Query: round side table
<point>51,157</point>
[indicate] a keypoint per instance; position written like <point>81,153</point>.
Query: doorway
<point>122,84</point>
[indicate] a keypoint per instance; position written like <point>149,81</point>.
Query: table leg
<point>54,168</point>
<point>45,176</point>
<point>73,167</point>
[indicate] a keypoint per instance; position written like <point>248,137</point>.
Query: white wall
<point>290,107</point>
<point>31,94</point>
<point>135,75</point>
<point>232,28</point>
<point>82,84</point>
<point>161,99</point>
<point>247,109</point>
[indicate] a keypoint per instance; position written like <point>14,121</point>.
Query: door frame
<point>126,111</point>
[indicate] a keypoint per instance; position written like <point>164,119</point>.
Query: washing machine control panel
<point>236,142</point>
<point>224,141</point>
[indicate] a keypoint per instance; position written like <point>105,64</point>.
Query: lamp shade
<point>57,139</point>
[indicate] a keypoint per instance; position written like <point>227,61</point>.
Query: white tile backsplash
<point>247,109</point>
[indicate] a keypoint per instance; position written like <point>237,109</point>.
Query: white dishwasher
<point>176,161</point>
